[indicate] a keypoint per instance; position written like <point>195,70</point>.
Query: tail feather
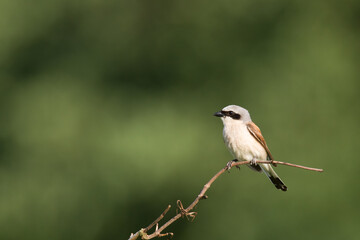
<point>274,178</point>
<point>278,183</point>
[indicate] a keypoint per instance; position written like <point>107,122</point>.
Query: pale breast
<point>242,145</point>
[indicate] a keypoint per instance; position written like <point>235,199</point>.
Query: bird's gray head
<point>234,113</point>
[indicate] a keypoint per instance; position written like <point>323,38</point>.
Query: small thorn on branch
<point>204,197</point>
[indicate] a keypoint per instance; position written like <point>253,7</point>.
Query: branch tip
<point>156,222</point>
<point>166,234</point>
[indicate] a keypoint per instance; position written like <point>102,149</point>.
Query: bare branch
<point>137,234</point>
<point>294,165</point>
<point>158,219</point>
<point>191,215</point>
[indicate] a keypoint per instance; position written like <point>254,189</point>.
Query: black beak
<point>218,114</point>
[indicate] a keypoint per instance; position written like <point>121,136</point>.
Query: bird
<point>246,143</point>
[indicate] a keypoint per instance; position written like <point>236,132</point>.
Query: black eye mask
<point>231,114</point>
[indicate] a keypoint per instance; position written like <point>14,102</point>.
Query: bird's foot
<point>229,164</point>
<point>253,162</point>
<point>272,163</point>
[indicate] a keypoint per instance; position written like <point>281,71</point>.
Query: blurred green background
<point>106,116</point>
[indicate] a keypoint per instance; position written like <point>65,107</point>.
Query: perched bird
<point>245,142</point>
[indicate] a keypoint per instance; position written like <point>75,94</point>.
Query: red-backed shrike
<point>245,142</point>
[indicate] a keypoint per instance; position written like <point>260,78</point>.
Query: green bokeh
<point>106,116</point>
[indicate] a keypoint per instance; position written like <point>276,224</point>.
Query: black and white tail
<point>274,178</point>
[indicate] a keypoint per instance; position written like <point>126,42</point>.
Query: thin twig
<point>292,165</point>
<point>158,219</point>
<point>186,212</point>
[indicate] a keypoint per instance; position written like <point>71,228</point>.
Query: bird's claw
<point>229,165</point>
<point>253,162</point>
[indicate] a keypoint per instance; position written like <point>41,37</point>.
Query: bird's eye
<point>231,113</point>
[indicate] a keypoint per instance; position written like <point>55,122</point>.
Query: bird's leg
<point>228,165</point>
<point>253,162</point>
